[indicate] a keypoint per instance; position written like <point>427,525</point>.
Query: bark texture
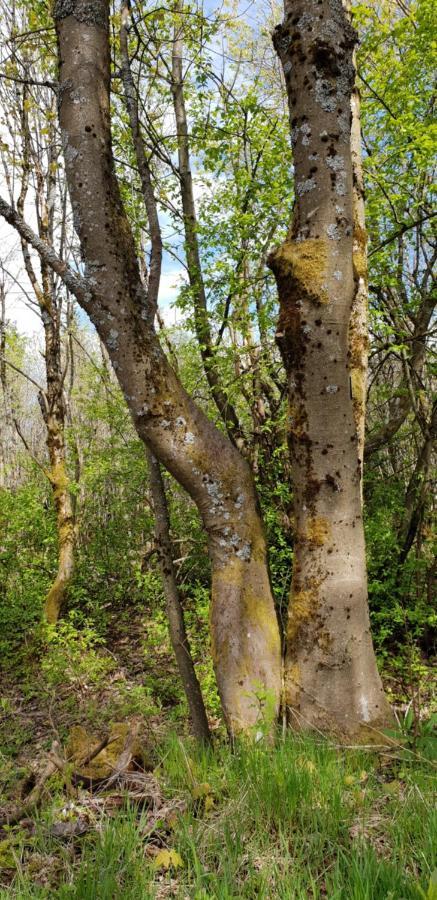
<point>331,678</point>
<point>52,400</point>
<point>175,615</point>
<point>245,633</point>
<point>53,410</point>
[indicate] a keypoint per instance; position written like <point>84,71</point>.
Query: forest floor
<point>297,819</point>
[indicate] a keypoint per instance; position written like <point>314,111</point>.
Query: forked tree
<point>331,679</point>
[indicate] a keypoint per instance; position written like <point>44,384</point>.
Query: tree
<point>328,631</point>
<point>245,632</point>
<point>32,125</point>
<point>331,676</point>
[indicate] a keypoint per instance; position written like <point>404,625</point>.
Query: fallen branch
<point>34,798</point>
<point>126,756</point>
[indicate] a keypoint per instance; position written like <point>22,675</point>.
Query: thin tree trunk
<point>417,491</point>
<point>53,410</point>
<point>51,400</point>
<point>245,634</point>
<point>331,678</point>
<point>175,615</point>
<point>201,323</point>
<point>7,426</point>
<point>175,612</point>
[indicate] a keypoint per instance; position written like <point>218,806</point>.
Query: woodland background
<point>109,659</point>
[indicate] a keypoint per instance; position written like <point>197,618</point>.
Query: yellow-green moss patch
<point>81,743</point>
<point>306,263</point>
<point>317,530</point>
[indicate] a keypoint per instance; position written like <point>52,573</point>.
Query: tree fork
<point>245,633</point>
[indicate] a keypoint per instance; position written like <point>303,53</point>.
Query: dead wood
<point>34,798</point>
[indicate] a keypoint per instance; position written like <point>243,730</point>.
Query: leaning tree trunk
<point>331,678</point>
<point>175,613</point>
<point>245,634</point>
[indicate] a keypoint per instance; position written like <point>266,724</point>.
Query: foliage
<point>27,560</point>
<point>71,655</point>
<point>296,820</point>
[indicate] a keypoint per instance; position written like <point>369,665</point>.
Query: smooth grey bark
<point>331,679</point>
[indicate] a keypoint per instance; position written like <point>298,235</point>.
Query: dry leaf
<point>168,859</point>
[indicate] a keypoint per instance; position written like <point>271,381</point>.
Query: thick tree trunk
<point>245,632</point>
<point>358,322</point>
<point>175,614</point>
<point>331,678</point>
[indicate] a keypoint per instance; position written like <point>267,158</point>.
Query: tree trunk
<point>51,400</point>
<point>7,474</point>
<point>53,410</point>
<point>201,323</point>
<point>175,615</point>
<point>418,491</point>
<point>245,633</point>
<point>331,678</point>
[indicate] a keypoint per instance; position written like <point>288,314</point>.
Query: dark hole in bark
<point>325,59</point>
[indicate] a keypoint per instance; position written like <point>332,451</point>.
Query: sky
<point>18,309</point>
<point>19,312</point>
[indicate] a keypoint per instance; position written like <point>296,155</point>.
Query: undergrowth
<point>299,820</point>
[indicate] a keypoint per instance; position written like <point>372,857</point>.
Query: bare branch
<point>78,286</point>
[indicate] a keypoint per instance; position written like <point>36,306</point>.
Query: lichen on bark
<point>89,12</point>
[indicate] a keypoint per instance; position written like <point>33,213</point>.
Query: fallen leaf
<point>168,859</point>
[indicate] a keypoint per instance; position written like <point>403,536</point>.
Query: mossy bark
<point>51,400</point>
<point>203,460</point>
<point>53,410</point>
<point>331,679</point>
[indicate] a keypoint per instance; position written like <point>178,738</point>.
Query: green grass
<point>300,820</point>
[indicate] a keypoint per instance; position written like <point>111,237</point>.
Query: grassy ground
<point>302,819</point>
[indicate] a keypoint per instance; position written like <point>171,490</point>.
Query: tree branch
<point>75,283</point>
